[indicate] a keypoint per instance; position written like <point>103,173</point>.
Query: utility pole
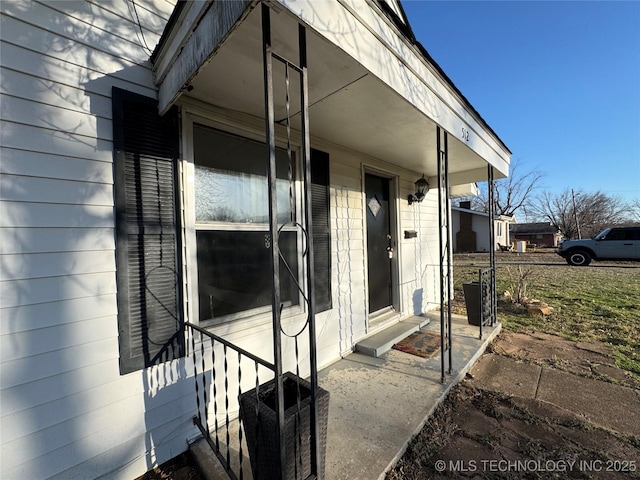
<point>575,214</point>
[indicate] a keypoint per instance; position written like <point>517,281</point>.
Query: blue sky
<point>559,82</point>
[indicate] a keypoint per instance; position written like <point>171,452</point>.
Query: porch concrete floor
<point>378,404</point>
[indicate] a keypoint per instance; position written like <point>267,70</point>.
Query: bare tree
<point>579,213</point>
<point>634,210</point>
<point>511,194</point>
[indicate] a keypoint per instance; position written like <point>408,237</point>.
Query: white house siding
<point>346,323</point>
<point>480,225</point>
<point>420,262</point>
<point>65,410</point>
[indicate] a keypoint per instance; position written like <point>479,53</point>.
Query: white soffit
<point>364,35</point>
<point>369,90</point>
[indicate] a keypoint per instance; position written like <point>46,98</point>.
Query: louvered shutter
<point>321,229</point>
<point>147,241</point>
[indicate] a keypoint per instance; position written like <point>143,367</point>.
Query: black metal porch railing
<point>486,284</point>
<point>236,411</point>
<point>218,368</point>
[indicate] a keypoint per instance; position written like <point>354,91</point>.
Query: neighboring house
<point>541,234</point>
<point>134,200</point>
<point>470,229</point>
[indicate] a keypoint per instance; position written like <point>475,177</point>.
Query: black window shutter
<point>321,229</point>
<point>148,264</point>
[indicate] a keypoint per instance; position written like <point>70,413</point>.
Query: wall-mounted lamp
<point>422,187</point>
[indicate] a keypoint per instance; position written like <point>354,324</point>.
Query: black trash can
<point>259,422</point>
<point>473,302</point>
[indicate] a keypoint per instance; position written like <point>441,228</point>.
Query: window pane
<point>231,179</point>
<point>234,273</point>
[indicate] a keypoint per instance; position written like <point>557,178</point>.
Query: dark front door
<point>379,242</point>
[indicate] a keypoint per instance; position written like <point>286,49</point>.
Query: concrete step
<point>382,341</point>
<point>209,465</point>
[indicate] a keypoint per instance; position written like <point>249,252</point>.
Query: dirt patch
<point>477,433</point>
<point>496,436</point>
<point>182,467</point>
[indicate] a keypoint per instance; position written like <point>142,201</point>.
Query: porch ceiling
<point>348,105</point>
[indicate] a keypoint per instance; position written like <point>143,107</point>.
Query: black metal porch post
<point>444,221</point>
<point>492,249</point>
<point>273,230</point>
<point>306,162</point>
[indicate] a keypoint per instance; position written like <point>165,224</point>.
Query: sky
<point>559,82</point>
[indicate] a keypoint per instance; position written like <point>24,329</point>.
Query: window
<point>620,234</point>
<point>148,263</point>
<point>232,226</point>
<point>321,229</point>
<point>231,232</point>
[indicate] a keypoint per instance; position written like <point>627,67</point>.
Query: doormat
<point>423,344</point>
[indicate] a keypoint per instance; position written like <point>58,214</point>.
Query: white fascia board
<point>467,176</point>
<point>204,28</point>
<point>366,36</point>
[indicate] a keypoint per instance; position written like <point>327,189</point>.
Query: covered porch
<point>371,87</point>
<point>351,81</point>
<point>379,404</point>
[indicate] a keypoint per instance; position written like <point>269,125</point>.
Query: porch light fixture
<point>422,187</point>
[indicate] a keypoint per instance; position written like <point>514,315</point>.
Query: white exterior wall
<point>66,411</point>
<point>480,225</point>
<point>504,238</point>
<point>417,257</point>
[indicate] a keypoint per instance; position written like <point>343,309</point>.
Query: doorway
<point>381,244</point>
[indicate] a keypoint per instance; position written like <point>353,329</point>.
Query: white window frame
<point>252,131</point>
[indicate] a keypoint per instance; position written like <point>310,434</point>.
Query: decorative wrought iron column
<point>492,249</point>
<point>306,291</point>
<point>267,56</point>
<point>306,167</point>
<point>444,233</point>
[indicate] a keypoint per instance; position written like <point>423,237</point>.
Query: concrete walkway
<point>378,404</point>
<point>604,404</point>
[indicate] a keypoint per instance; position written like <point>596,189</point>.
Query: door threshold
<point>382,318</point>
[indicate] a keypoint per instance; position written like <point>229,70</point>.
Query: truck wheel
<point>579,258</point>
